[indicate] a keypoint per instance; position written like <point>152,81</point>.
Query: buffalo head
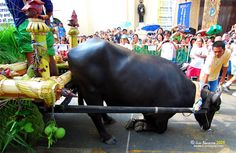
<point>211,104</point>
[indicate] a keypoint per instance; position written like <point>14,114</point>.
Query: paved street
<point>183,135</point>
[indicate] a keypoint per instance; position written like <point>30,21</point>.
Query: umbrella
<point>202,32</point>
<point>151,27</point>
<point>126,25</point>
<point>214,29</point>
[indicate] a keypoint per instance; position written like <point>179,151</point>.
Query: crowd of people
<point>208,58</point>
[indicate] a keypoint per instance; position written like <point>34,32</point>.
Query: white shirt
<point>197,62</point>
<point>127,46</point>
<point>63,47</point>
<point>168,51</point>
<point>56,46</point>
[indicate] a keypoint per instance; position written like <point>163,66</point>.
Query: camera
<point>231,41</point>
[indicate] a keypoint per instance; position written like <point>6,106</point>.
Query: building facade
<point>94,15</point>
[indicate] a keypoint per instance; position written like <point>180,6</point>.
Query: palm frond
<point>9,52</point>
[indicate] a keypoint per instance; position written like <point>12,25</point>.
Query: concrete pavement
<point>183,135</point>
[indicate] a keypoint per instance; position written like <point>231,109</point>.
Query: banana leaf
<point>9,52</point>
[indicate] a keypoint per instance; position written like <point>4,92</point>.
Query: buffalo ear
<point>206,86</point>
<point>205,91</point>
<point>205,94</point>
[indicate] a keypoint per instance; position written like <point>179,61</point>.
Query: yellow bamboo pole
<point>44,88</point>
<point>15,66</point>
<point>73,37</point>
<point>73,32</point>
<point>38,30</point>
<point>37,89</point>
<point>17,69</point>
<point>73,40</point>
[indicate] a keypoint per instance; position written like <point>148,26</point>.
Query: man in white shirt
<point>217,60</point>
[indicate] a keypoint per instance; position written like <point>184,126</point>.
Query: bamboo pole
<point>73,32</point>
<point>63,79</point>
<point>16,69</point>
<point>73,37</point>
<point>38,30</point>
<point>45,88</point>
<point>37,89</point>
<point>15,66</point>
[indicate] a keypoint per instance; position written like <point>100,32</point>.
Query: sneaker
<point>234,94</point>
<point>225,88</point>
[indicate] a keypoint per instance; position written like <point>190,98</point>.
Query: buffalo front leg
<point>105,136</point>
<point>161,126</point>
<point>159,121</point>
<point>93,98</point>
<point>107,120</point>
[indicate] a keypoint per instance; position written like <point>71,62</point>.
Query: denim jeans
<point>213,85</point>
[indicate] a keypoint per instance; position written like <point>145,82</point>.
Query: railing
<point>182,55</point>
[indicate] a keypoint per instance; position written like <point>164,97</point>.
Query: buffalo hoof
<point>130,124</point>
<point>140,126</point>
<point>110,141</point>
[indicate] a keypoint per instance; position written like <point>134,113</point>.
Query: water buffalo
<point>108,72</point>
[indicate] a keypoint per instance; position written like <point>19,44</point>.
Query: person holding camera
<point>198,55</point>
<point>167,47</point>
